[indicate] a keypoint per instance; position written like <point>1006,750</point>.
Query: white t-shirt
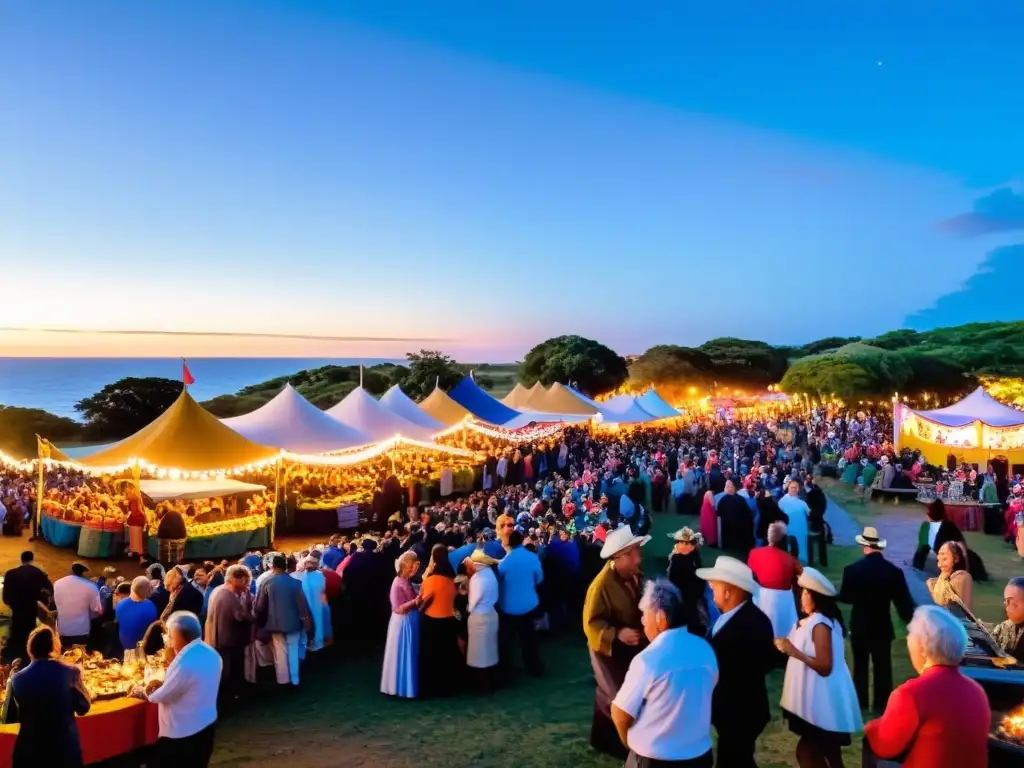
<point>188,697</point>
<point>667,691</point>
<point>78,601</point>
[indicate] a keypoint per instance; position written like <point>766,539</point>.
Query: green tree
<point>126,406</point>
<point>426,369</point>
<point>671,368</point>
<point>19,427</point>
<point>587,364</point>
<point>826,375</point>
<point>740,361</point>
<point>824,345</point>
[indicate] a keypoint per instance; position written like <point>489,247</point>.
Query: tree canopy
<point>744,362</point>
<point>126,406</point>
<point>587,364</point>
<point>19,427</point>
<point>426,369</point>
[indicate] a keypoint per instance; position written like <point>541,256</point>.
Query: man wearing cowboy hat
<point>872,586</point>
<point>744,644</point>
<point>612,622</point>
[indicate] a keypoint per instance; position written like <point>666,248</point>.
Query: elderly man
<point>135,614</point>
<point>612,624</point>
<point>187,697</point>
<point>743,641</point>
<point>229,627</point>
<point>282,613</point>
<point>663,709</point>
<point>1010,633</point>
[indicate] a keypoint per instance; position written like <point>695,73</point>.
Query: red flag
<point>186,374</point>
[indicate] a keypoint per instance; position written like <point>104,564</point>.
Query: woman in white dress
<point>314,586</point>
<point>400,674</point>
<point>482,629</point>
<point>819,700</point>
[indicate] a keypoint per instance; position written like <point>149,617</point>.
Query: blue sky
<point>479,176</point>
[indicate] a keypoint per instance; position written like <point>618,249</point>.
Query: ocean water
<point>56,384</point>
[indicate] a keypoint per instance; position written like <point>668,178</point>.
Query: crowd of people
<point>460,593</point>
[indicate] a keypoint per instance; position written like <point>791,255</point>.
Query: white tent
<point>364,412</point>
<point>292,423</point>
<point>623,409</point>
<point>655,405</point>
<point>400,404</point>
<point>161,490</point>
<point>977,406</point>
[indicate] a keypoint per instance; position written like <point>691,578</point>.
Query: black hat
<point>79,568</point>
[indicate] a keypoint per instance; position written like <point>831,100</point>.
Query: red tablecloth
<point>967,517</point>
<point>110,729</point>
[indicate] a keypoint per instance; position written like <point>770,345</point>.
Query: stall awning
<point>655,405</point>
<point>162,490</point>
<point>400,404</point>
<point>363,411</point>
<point>561,399</point>
<point>484,407</point>
<point>977,406</point>
<point>441,407</point>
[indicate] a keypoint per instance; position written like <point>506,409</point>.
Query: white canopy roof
<point>623,409</point>
<point>977,406</point>
<point>364,412</point>
<point>292,423</point>
<point>655,405</point>
<point>400,404</point>
<point>161,490</point>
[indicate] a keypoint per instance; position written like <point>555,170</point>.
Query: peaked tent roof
<point>187,437</point>
<point>400,404</point>
<point>441,407</point>
<point>977,406</point>
<point>363,411</point>
<point>561,399</point>
<point>484,407</point>
<point>534,395</point>
<point>623,409</point>
<point>655,405</point>
<point>517,397</point>
<point>291,422</point>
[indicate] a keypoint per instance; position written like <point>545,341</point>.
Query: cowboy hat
<point>687,536</point>
<point>870,539</point>
<point>815,581</point>
<point>479,557</point>
<point>621,539</point>
<point>730,571</point>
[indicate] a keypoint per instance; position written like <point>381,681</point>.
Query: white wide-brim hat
<point>815,581</point>
<point>620,539</point>
<point>870,538</point>
<point>731,571</point>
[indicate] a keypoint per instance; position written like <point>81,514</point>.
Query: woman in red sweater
<point>940,719</point>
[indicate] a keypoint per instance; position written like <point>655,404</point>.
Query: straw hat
<point>870,539</point>
<point>815,581</point>
<point>687,536</point>
<point>479,557</point>
<point>620,539</point>
<point>730,571</point>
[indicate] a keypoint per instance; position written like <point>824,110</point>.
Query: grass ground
<point>339,717</point>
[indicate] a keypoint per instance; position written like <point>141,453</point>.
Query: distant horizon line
<point>224,334</point>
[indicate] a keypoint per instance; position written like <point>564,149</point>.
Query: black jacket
<point>45,702</point>
<point>871,586</point>
<point>23,588</point>
<point>745,649</point>
<point>817,504</point>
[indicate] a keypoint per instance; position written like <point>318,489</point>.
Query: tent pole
<point>41,454</point>
<point>277,500</point>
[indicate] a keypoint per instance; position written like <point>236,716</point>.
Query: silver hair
<point>141,587</point>
<point>185,623</point>
<point>404,558</point>
<point>663,596</point>
<point>238,573</point>
<point>777,532</point>
<point>942,636</point>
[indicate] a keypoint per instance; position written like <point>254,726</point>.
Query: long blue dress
<point>399,675</point>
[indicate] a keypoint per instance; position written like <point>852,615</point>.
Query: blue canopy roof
<point>484,407</point>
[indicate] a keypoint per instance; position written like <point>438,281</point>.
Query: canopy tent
<point>185,437</point>
<point>441,407</point>
<point>623,409</point>
<point>364,412</point>
<point>977,406</point>
<point>400,404</point>
<point>484,407</point>
<point>520,396</point>
<point>534,395</point>
<point>561,399</point>
<point>162,490</point>
<point>290,422</point>
<point>655,405</point>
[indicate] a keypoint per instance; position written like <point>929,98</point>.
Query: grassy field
<point>339,717</point>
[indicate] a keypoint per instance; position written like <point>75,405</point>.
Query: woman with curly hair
<point>954,582</point>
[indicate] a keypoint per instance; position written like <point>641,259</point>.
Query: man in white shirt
<point>187,697</point>
<point>663,709</point>
<point>78,603</point>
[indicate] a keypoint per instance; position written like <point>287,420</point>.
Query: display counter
<point>111,728</point>
<point>60,533</point>
<point>89,540</point>
<point>214,547</point>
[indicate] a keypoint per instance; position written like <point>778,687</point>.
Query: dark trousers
<point>635,761</point>
<point>521,627</point>
<point>66,641</point>
<point>736,749</point>
<point>22,624</point>
<point>232,676</point>
<point>194,751</point>
<point>879,651</point>
<point>817,540</point>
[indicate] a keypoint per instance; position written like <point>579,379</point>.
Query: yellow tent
<point>520,395</point>
<point>558,399</point>
<point>185,437</point>
<point>443,408</point>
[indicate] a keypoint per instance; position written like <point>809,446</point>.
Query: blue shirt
<point>133,619</point>
<point>332,557</point>
<point>493,548</point>
<point>520,572</point>
<point>456,556</point>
